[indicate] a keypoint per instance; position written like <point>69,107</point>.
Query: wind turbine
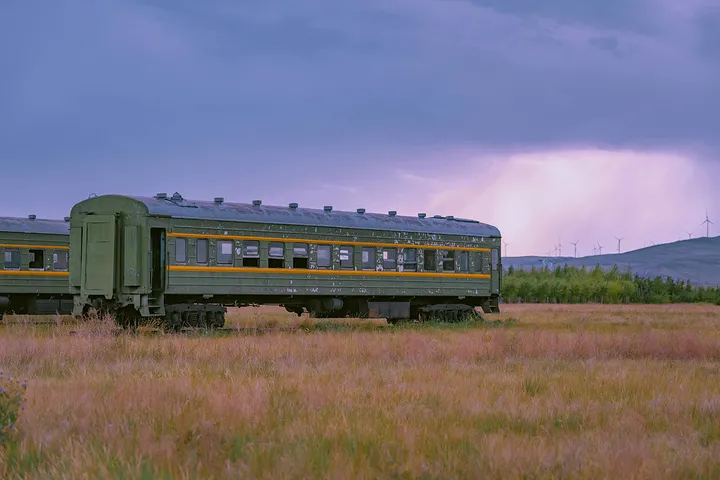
<point>559,247</point>
<point>618,239</point>
<point>689,235</point>
<point>707,224</point>
<point>575,245</point>
<point>600,248</point>
<point>506,244</point>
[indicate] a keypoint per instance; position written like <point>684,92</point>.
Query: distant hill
<point>697,260</point>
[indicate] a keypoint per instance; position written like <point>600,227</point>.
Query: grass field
<point>544,391</point>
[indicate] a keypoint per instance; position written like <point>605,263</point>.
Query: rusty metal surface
<point>177,207</point>
<point>38,225</point>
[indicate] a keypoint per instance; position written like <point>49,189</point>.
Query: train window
<point>368,258</point>
<point>430,263</point>
<point>346,257</point>
<point>324,260</point>
<point>180,250</point>
<point>464,262</point>
<point>276,255</point>
<point>60,260</point>
<point>479,262</point>
<point>37,258</point>
<point>389,258</point>
<point>251,253</point>
<point>202,251</point>
<point>12,258</point>
<point>410,259</point>
<point>448,260</point>
<point>300,255</point>
<point>224,252</point>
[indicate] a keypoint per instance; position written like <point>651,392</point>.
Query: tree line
<point>568,284</point>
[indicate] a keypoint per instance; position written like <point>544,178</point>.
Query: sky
<point>556,121</point>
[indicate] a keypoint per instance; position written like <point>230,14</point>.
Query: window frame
<point>11,251</point>
<point>33,253</point>
<point>349,262</point>
<point>228,258</point>
<point>386,261</point>
<point>413,263</point>
<point>430,254</point>
<point>55,254</point>
<point>371,264</point>
<point>448,255</point>
<point>181,241</point>
<point>463,261</point>
<point>329,256</point>
<point>205,250</point>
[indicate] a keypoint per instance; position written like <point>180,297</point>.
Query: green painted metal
<point>98,249</point>
<point>131,256</point>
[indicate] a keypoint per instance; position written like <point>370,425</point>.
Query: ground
<point>542,391</point>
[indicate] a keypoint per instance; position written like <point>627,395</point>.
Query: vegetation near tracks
<point>550,391</point>
<point>580,285</point>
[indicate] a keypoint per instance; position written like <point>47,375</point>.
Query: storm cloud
<point>88,75</point>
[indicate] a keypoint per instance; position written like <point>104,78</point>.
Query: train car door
<point>157,248</point>
<point>98,255</point>
<point>495,271</point>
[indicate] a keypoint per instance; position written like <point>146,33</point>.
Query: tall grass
<point>571,392</point>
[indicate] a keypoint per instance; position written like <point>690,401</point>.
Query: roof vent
<point>293,205</point>
<point>67,219</point>
<point>327,208</point>
<point>161,195</point>
<point>449,217</point>
<point>32,217</point>
<point>392,213</point>
<point>177,196</point>
<point>219,199</point>
<point>438,216</point>
<point>422,215</point>
<point>361,211</point>
<point>257,202</point>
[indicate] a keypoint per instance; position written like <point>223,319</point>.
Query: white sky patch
<point>590,196</point>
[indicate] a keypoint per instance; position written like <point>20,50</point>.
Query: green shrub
<point>12,400</point>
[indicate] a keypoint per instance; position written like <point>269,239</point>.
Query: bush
<point>12,400</point>
<point>580,285</point>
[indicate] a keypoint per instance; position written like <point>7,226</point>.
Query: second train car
<point>34,269</point>
<point>183,262</point>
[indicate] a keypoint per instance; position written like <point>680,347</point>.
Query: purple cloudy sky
<point>573,120</point>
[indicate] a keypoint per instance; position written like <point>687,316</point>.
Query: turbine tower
<point>574,244</point>
<point>707,224</point>
<point>618,239</point>
<point>689,235</point>
<point>600,248</point>
<point>506,244</point>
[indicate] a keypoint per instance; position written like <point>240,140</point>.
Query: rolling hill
<point>697,260</point>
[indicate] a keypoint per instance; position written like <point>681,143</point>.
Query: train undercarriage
<point>177,312</point>
<point>35,305</point>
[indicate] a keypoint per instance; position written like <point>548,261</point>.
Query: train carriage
<point>34,271</point>
<point>184,261</point>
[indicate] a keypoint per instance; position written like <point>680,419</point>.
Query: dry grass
<point>560,392</point>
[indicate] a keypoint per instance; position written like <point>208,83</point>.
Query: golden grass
<point>559,392</point>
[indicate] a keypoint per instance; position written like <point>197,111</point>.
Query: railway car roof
<point>177,207</point>
<point>34,225</point>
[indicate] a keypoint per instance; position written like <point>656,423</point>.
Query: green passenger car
<point>34,271</point>
<point>184,261</point>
